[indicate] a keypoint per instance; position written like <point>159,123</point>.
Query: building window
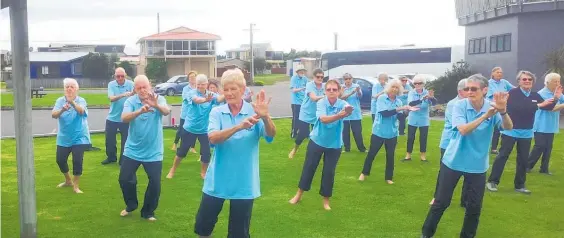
<point>190,47</point>
<point>500,43</point>
<point>477,46</point>
<point>45,70</point>
<point>76,68</point>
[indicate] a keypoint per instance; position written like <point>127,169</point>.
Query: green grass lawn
<point>368,209</point>
<point>93,99</point>
<point>2,85</point>
<point>270,79</point>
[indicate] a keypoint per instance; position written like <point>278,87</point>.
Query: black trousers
<point>295,115</point>
<point>356,126</point>
<point>375,146</point>
<point>474,186</point>
<point>303,131</point>
<point>423,132</point>
<point>179,131</point>
<point>462,200</point>
<point>523,148</point>
<point>401,120</point>
<point>77,158</point>
<point>189,139</point>
<point>313,157</point>
<point>128,184</point>
<point>495,138</point>
<point>543,146</point>
<point>240,211</point>
<point>111,132</point>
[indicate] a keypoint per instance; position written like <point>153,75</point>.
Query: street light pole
<point>252,54</point>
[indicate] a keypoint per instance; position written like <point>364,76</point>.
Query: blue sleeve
<point>448,112</point>
<point>509,85</point>
<point>214,123</point>
<point>294,82</point>
<point>111,91</point>
<point>458,115</point>
<point>262,132</point>
<point>59,103</point>
<point>190,96</point>
<point>185,93</point>
<point>310,88</point>
<point>410,96</point>
<point>82,103</point>
<point>321,110</point>
<point>489,95</point>
<point>382,105</point>
<point>128,106</point>
<point>561,100</point>
<point>374,90</point>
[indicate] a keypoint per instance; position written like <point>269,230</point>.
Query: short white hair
<point>461,84</point>
<point>419,78</point>
<point>551,77</point>
<point>233,76</point>
<point>383,74</point>
<point>393,82</point>
<point>141,78</point>
<point>120,69</point>
<point>201,78</point>
<point>68,81</point>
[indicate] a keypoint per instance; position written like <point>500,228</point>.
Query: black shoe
<point>108,161</point>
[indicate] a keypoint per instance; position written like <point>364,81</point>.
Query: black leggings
<point>303,131</point>
<point>376,143</point>
<point>295,114</point>
<point>356,127</point>
<point>423,132</point>
<point>77,158</point>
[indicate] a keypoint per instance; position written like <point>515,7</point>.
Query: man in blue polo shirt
<point>144,146</point>
<point>118,92</point>
<point>473,119</point>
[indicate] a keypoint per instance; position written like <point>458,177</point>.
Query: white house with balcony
<point>184,50</point>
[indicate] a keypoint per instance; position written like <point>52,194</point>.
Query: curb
<point>5,108</point>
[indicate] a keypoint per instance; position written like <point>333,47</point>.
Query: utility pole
<point>251,31</point>
<point>158,23</point>
<point>336,38</point>
<point>22,116</point>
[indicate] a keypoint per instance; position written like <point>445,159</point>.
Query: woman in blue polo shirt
<point>546,123</point>
<point>191,85</point>
<point>467,154</point>
<point>233,174</point>
<point>496,83</point>
<point>385,128</point>
<point>200,103</point>
<point>352,94</point>
<point>377,90</point>
<point>403,97</point>
<point>297,88</point>
<point>419,97</point>
<point>325,141</point>
<point>313,93</point>
<point>73,135</point>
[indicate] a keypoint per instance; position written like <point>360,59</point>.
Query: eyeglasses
<point>527,79</point>
<point>319,77</point>
<point>404,80</point>
<point>473,89</point>
<point>331,89</point>
<point>348,78</point>
<point>120,76</point>
<point>418,83</point>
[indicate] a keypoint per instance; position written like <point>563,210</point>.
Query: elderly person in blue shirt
<point>403,97</point>
<point>326,141</point>
<point>144,146</point>
<point>467,154</point>
<point>352,93</point>
<point>521,107</point>
<point>73,135</point>
<point>385,128</point>
<point>118,91</point>
<point>497,84</point>
<point>313,93</point>
<point>546,123</point>
<point>200,103</point>
<point>447,129</point>
<point>424,99</point>
<point>233,174</point>
<point>184,109</point>
<point>377,90</point>
<point>297,87</point>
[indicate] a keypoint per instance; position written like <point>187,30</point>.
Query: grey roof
<point>55,56</point>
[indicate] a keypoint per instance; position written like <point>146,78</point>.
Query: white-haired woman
<point>385,128</point>
<point>497,84</point>
<point>423,99</point>
<point>200,102</point>
<point>352,93</point>
<point>73,135</point>
<point>546,123</point>
<point>233,173</point>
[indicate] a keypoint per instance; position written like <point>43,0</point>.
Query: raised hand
<point>500,101</point>
<point>491,111</point>
<point>152,100</point>
<point>249,122</point>
<point>146,108</point>
<point>348,109</point>
<point>546,102</point>
<point>209,97</point>
<point>558,92</point>
<point>260,105</point>
<point>66,107</point>
<point>412,109</point>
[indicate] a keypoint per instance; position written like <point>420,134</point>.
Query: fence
<point>58,83</point>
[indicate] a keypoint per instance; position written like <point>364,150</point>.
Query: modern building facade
<point>513,34</point>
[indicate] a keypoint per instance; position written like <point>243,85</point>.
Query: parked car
<point>173,86</point>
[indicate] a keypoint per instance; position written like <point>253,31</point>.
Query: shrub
<point>259,83</point>
<point>445,86</point>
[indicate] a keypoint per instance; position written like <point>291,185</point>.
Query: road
<point>42,123</point>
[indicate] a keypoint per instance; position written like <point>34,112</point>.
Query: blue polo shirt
<point>233,172</point>
<point>403,96</point>
<point>73,127</point>
<point>520,133</point>
<point>197,115</point>
<point>386,127</point>
<point>547,121</point>
<point>353,100</point>
<point>470,153</point>
<point>184,109</point>
<point>447,130</point>
<point>309,107</point>
<point>420,117</point>
<point>376,88</point>
<point>145,140</point>
<point>298,82</point>
<point>495,86</point>
<point>328,135</point>
<point>116,107</point>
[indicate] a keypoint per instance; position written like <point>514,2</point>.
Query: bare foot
<point>200,159</point>
<point>423,158</point>
<point>170,175</point>
<point>202,175</point>
<point>295,199</point>
<point>432,201</point>
<point>326,204</point>
<point>292,153</point>
<point>151,219</point>
<point>389,181</point>
<point>193,151</point>
<point>65,184</point>
<point>124,213</point>
<point>77,190</point>
<point>173,147</point>
<point>361,177</point>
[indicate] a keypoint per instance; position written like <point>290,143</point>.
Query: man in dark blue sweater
<point>521,107</point>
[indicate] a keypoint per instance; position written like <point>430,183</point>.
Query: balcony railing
<point>466,8</point>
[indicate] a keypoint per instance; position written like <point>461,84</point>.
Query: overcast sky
<point>286,24</point>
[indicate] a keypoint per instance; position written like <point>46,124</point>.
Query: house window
<point>500,43</point>
<point>45,70</point>
<point>76,68</point>
<point>477,46</point>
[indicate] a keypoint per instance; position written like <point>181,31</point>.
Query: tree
<point>96,66</point>
<point>293,54</point>
<point>445,87</point>
<point>156,70</point>
<point>555,61</point>
<point>128,67</point>
<point>259,63</point>
<point>113,59</point>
